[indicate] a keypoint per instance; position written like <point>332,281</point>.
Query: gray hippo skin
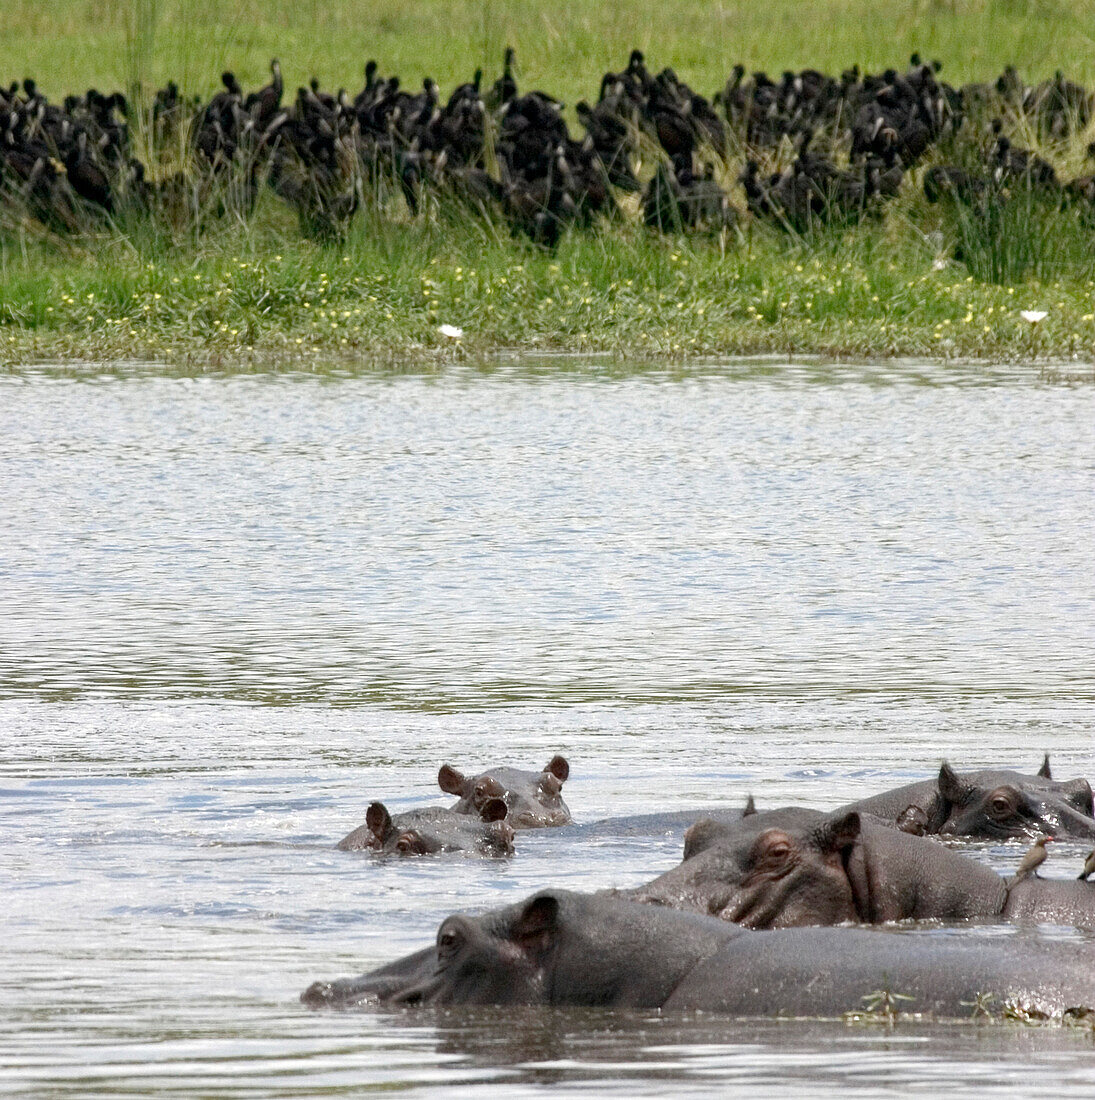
<point>795,867</point>
<point>432,829</point>
<point>559,948</point>
<point>666,823</point>
<point>534,799</point>
<point>1052,901</point>
<point>992,804</point>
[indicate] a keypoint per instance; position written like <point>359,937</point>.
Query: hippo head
<point>534,799</point>
<point>422,834</point>
<point>495,959</point>
<point>553,948</point>
<point>765,871</point>
<point>1003,805</point>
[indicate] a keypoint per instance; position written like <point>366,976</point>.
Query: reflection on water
<point>807,583</point>
<point>460,540</point>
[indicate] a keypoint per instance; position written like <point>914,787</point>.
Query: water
<point>234,609</point>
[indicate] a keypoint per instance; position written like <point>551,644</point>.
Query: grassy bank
<point>251,287</point>
<point>386,294</point>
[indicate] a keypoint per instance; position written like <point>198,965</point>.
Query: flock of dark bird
<point>815,148</point>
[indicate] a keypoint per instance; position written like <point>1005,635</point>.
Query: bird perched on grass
<point>1035,857</point>
<point>1089,867</point>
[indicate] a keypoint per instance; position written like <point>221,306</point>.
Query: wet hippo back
<point>829,972</point>
<point>1056,901</point>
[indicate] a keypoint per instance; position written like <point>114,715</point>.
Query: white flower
<point>939,264</point>
<point>1033,315</point>
<point>454,333</point>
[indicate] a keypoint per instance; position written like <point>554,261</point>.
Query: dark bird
<point>1035,857</point>
<point>1089,867</point>
<point>505,87</point>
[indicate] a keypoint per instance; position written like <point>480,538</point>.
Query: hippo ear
<point>494,809</point>
<point>1044,771</point>
<point>838,833</point>
<point>559,768</point>
<point>750,807</point>
<point>700,836</point>
<point>378,820</point>
<point>953,790</point>
<point>1078,793</point>
<point>451,781</point>
<point>535,927</point>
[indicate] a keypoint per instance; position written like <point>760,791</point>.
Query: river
<point>235,608</point>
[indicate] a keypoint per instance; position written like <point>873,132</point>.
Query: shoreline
<point>384,299</point>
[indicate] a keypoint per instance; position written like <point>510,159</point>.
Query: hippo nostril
<point>408,843</point>
<point>409,997</point>
<point>318,993</point>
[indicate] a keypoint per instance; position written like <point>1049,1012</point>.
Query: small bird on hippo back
<point>1035,857</point>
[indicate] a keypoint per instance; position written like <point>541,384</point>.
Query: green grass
<point>252,288</point>
<point>259,296</point>
<point>562,46</point>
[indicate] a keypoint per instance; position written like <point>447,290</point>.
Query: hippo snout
<point>339,994</point>
<point>505,836</point>
<point>485,790</point>
<point>411,844</point>
<point>317,995</point>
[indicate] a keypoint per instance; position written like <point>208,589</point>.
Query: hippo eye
<point>1000,805</point>
<point>774,855</point>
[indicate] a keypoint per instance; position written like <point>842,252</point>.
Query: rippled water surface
<point>236,609</point>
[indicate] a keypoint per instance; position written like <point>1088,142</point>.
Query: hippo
<point>1052,901</point>
<point>566,949</point>
<point>534,798</point>
<point>992,804</point>
<point>795,867</point>
<point>667,823</point>
<point>433,829</point>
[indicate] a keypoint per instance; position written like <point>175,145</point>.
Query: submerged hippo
<point>534,799</point>
<point>796,867</point>
<point>994,804</point>
<point>433,829</point>
<point>667,823</point>
<point>560,948</point>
